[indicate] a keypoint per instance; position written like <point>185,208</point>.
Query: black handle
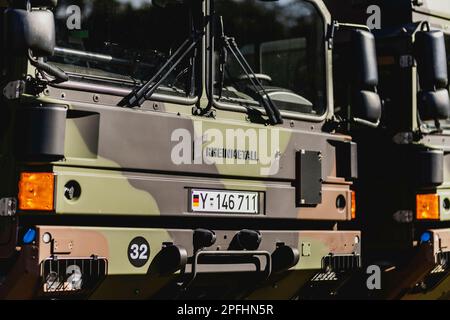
<point>267,270</point>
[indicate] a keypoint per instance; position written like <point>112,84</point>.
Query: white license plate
<point>214,201</point>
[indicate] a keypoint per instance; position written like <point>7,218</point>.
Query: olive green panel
<point>444,201</point>
<point>102,192</point>
<point>78,146</point>
<point>246,137</point>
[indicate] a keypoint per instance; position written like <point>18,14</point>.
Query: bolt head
<point>46,237</point>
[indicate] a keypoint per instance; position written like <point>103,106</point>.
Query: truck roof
<point>439,8</point>
<point>393,13</point>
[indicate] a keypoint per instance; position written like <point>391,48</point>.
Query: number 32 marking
<point>138,252</point>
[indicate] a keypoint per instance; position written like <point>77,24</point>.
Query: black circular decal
<point>138,252</point>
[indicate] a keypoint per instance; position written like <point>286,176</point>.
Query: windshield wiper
<point>229,43</point>
<point>145,91</point>
<point>97,57</point>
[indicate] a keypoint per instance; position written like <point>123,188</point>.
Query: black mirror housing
<point>366,103</point>
<point>431,59</point>
<point>367,106</point>
<point>431,56</point>
<point>364,59</point>
<point>434,104</point>
<point>33,30</point>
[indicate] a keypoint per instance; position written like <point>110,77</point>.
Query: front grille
<point>74,275</point>
<point>443,259</point>
<point>436,276</point>
<point>341,263</point>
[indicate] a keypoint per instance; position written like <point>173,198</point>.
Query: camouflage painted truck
<point>404,165</point>
<point>173,149</point>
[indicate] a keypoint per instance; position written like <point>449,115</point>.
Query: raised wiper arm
<point>272,111</point>
<point>144,92</point>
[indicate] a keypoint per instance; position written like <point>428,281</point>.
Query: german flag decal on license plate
<point>195,200</point>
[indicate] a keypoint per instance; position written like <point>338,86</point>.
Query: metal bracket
<point>306,249</point>
<point>62,246</point>
<point>8,207</point>
<point>308,185</point>
<point>14,89</point>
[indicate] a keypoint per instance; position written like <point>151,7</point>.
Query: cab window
<point>283,42</point>
<point>125,41</point>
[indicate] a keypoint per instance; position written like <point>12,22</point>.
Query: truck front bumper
<point>97,263</point>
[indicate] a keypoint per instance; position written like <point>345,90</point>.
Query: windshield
<point>283,42</point>
<point>123,40</point>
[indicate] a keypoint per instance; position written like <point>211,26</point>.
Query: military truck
<point>174,149</point>
<point>403,186</point>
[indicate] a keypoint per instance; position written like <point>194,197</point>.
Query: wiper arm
<point>222,59</point>
<point>97,57</point>
<point>144,92</point>
<point>272,111</point>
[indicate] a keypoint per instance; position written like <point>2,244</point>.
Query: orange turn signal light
<point>353,209</point>
<point>36,191</point>
<point>427,207</point>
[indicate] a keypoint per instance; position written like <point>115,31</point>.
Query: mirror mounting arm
<point>367,123</point>
<point>425,26</point>
<point>336,25</point>
<point>58,74</point>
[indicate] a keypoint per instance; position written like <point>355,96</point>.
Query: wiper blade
<point>272,111</point>
<point>97,57</point>
<point>144,92</point>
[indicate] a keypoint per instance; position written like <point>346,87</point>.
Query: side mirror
<point>366,107</point>
<point>366,103</point>
<point>364,56</point>
<point>431,57</point>
<point>33,30</point>
<point>434,104</point>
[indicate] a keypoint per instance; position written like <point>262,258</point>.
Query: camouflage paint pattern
<point>125,281</point>
<point>121,158</point>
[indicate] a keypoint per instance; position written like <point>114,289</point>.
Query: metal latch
<point>14,89</point>
<point>8,207</point>
<point>306,249</point>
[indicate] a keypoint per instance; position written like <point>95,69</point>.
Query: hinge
<point>8,207</point>
<point>331,32</point>
<point>14,89</point>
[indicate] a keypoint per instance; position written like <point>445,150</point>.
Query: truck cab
<point>403,181</point>
<point>172,149</point>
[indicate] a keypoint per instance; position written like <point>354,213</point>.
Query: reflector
<point>353,205</point>
<point>427,207</point>
<point>36,191</point>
